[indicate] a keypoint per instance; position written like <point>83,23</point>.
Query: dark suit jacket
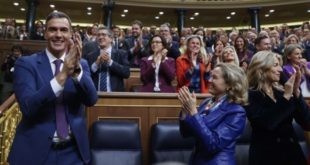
<point>215,133</point>
<point>89,47</point>
<point>174,51</point>
<point>142,52</point>
<point>36,99</point>
<point>273,138</point>
<point>118,70</point>
<point>165,76</point>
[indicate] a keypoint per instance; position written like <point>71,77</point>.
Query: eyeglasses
<point>156,42</point>
<point>102,34</point>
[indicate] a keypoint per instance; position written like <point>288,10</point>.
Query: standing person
<point>219,120</point>
<point>244,54</point>
<point>52,88</point>
<point>293,58</point>
<point>135,45</point>
<point>193,67</point>
<point>218,50</point>
<point>8,69</point>
<point>263,43</point>
<point>229,55</point>
<point>109,66</point>
<point>157,70</point>
<point>271,110</point>
<point>172,46</point>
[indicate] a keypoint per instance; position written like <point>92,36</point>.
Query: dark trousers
<point>68,155</point>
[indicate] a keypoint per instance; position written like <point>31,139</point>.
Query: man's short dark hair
<point>110,32</point>
<point>115,27</point>
<point>57,14</point>
<point>137,22</point>
<point>258,40</point>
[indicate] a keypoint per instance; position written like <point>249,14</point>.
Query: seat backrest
<point>115,142</point>
<point>301,138</point>
<point>243,145</point>
<point>168,145</point>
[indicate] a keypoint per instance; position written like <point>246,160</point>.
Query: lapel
<point>289,68</point>
<point>44,67</point>
<point>216,116</point>
<point>114,54</point>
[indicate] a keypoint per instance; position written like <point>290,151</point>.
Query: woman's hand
<point>164,54</point>
<point>188,101</point>
<point>304,67</point>
<point>297,82</point>
<point>289,87</point>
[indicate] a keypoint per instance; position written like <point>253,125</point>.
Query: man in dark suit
<point>109,66</point>
<point>52,88</point>
<point>173,46</point>
<point>135,45</point>
<point>118,40</point>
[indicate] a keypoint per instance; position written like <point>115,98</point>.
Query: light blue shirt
<point>95,67</point>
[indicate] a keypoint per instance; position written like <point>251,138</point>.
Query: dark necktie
<point>61,121</point>
<point>116,42</point>
<point>103,81</point>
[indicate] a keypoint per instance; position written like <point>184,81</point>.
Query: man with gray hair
<point>109,66</point>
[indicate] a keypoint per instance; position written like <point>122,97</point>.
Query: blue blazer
<point>215,133</point>
<point>36,99</point>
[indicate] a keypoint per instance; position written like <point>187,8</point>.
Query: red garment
<point>183,64</point>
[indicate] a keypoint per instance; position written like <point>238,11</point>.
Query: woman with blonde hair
<point>271,110</point>
<point>229,55</point>
<point>219,120</point>
<point>293,58</point>
<point>193,67</point>
<point>291,39</point>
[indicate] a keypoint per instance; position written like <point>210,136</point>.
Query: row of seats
<point>118,142</point>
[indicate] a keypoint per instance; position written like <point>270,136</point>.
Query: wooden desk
<point>144,108</point>
<point>133,81</point>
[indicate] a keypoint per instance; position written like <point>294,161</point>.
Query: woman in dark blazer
<point>219,120</point>
<point>157,70</point>
<point>271,110</point>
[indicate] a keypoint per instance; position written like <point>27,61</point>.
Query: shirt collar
<point>151,58</point>
<point>52,58</point>
<point>109,49</point>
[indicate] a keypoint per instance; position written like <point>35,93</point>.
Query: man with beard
<point>135,45</point>
<point>173,46</point>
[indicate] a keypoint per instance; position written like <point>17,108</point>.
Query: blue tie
<point>103,81</point>
<point>61,121</point>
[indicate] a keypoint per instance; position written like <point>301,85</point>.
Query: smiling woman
<point>193,67</point>
<point>219,120</point>
<point>157,70</point>
<point>271,110</point>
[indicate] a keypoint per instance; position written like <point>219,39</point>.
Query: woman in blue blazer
<point>219,120</point>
